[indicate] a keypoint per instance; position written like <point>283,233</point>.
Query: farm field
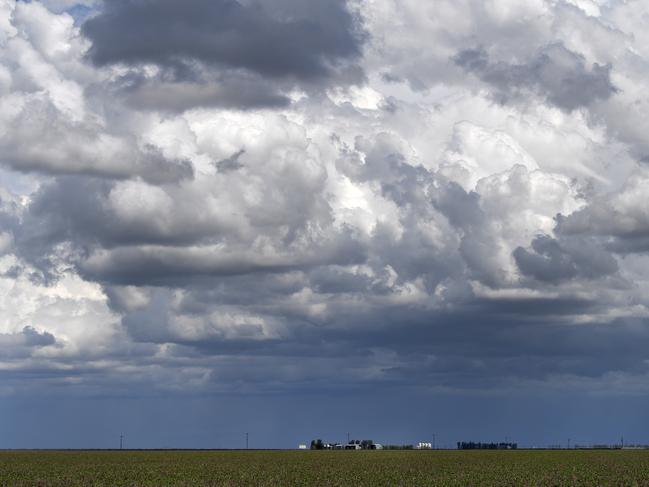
<point>318,468</point>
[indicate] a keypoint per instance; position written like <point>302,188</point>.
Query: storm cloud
<point>279,38</point>
<point>289,198</point>
<point>226,53</point>
<point>555,73</point>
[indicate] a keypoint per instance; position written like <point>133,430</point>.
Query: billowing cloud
<point>16,344</point>
<point>289,196</point>
<point>555,73</point>
<point>280,38</point>
<point>40,138</point>
<point>226,53</point>
<point>620,218</point>
<point>46,124</point>
<point>551,261</point>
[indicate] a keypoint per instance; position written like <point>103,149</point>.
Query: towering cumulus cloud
<point>292,197</point>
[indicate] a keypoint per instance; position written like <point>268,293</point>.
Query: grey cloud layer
<point>279,38</point>
<point>21,344</point>
<point>555,73</point>
<point>552,261</point>
<point>40,138</point>
<point>226,53</point>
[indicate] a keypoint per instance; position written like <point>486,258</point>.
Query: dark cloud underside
<point>277,38</point>
<point>555,73</point>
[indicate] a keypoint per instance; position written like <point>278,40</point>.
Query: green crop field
<point>344,468</point>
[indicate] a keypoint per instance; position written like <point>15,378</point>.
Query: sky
<point>388,218</point>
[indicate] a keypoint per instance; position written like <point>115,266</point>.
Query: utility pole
<point>246,441</point>
<point>348,438</point>
<point>568,443</point>
<point>433,441</point>
<point>121,438</point>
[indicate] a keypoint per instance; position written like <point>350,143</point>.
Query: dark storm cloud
<point>281,38</point>
<point>555,73</point>
<point>20,344</point>
<point>76,209</point>
<point>490,342</point>
<point>484,345</point>
<point>169,266</point>
<point>233,92</point>
<point>62,211</point>
<point>551,260</point>
<point>619,220</point>
<point>108,247</point>
<point>231,163</point>
<point>30,337</point>
<point>326,298</point>
<point>336,280</point>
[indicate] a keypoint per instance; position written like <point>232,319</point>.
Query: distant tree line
<point>471,445</point>
<point>317,444</point>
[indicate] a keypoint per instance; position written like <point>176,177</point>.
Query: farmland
<point>289,468</point>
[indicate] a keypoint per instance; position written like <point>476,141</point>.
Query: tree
<point>317,444</point>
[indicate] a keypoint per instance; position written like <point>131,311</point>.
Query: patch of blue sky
<point>17,183</point>
<point>80,12</point>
